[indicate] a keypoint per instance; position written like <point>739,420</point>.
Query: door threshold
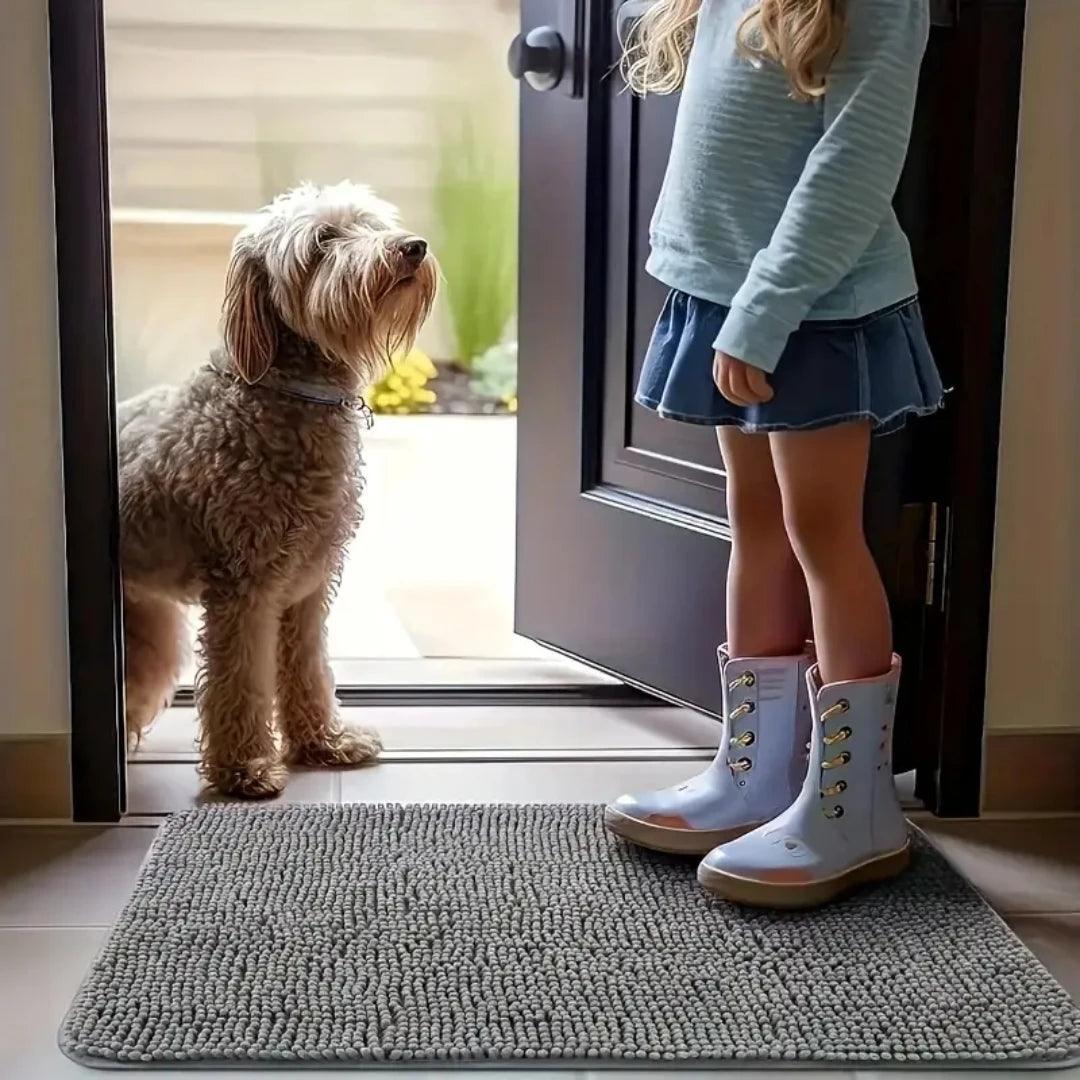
<point>495,755</point>
<point>479,694</point>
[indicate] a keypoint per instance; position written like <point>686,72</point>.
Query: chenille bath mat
<point>502,935</point>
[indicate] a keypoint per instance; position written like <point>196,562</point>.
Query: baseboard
<point>36,771</point>
<point>1031,772</point>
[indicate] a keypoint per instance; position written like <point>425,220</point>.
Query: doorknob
<point>538,57</point>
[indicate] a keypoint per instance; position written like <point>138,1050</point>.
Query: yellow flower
<point>404,388</point>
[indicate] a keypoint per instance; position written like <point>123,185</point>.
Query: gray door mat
<point>525,935</point>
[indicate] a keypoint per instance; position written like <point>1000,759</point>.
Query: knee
<point>822,533</point>
<point>756,515</point>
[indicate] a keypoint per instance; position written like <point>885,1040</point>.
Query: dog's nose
<point>413,250</point>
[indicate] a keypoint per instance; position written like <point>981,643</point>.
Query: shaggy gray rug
<point>331,935</point>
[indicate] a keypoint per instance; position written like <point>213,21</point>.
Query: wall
<point>1035,618</point>
<point>33,647</point>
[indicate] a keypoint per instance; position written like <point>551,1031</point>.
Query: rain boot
<point>755,775</point>
<point>845,828</point>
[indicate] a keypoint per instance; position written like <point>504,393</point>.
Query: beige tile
<point>512,782</point>
<point>1055,940</point>
<point>1030,865</point>
<point>40,970</point>
<point>165,788</point>
<point>67,876</point>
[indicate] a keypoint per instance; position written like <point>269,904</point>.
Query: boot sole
<point>669,840</point>
<point>753,893</point>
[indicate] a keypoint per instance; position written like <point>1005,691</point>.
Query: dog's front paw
<point>344,746</point>
<point>262,778</point>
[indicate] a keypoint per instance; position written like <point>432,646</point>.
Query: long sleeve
<point>847,184</point>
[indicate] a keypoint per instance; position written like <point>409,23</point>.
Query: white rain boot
<point>845,828</point>
<point>756,772</point>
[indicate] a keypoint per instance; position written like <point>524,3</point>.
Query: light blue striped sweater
<point>781,209</point>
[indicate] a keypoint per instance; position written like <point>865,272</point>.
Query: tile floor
<point>61,886</point>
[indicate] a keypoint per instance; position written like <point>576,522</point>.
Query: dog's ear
<point>249,324</point>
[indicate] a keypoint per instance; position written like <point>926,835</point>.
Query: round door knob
<point>538,57</point>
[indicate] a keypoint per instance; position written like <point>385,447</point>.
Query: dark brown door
<point>623,542</point>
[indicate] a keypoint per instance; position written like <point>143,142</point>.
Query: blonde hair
<point>802,36</point>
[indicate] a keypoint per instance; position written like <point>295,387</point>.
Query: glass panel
<point>215,107</point>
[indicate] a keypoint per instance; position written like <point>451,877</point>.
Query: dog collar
<point>312,391</point>
<point>318,393</point>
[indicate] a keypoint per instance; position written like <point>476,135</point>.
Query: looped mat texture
<point>423,934</point>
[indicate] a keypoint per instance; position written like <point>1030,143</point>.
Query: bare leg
<point>768,612</point>
<point>313,732</point>
<point>235,695</point>
<point>155,646</point>
<point>822,475</point>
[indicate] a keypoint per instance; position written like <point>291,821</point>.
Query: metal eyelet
<point>745,709</point>
<point>841,707</point>
<point>834,789</point>
<point>834,811</point>
<point>747,678</point>
<point>838,736</point>
<point>747,738</point>
<point>835,763</point>
<point>742,765</point>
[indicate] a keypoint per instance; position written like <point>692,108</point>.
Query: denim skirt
<point>878,367</point>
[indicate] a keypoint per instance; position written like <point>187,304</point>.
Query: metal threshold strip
<point>479,694</point>
<point>548,754</point>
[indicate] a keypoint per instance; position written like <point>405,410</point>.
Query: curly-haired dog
<point>240,489</point>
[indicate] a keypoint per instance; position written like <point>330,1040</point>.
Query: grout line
<point>5,929</point>
<point>1037,914</point>
<point>48,822</point>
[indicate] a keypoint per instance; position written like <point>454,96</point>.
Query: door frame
<point>949,767</point>
<point>88,411</point>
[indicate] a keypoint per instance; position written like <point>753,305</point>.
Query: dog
<point>240,489</point>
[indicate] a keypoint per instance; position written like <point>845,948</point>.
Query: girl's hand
<point>739,382</point>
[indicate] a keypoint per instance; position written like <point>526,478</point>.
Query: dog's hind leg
<point>307,708</point>
<point>234,692</point>
<point>155,648</point>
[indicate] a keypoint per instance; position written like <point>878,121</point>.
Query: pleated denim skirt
<point>878,367</point>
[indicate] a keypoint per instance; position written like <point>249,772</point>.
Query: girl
<point>792,327</point>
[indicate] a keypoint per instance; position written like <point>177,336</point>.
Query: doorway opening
<point>217,107</point>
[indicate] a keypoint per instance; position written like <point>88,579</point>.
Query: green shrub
<point>476,210</point>
<point>494,374</point>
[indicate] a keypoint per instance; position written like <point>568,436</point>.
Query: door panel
<point>677,463</point>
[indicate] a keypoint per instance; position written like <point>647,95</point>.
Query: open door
<point>623,544</point>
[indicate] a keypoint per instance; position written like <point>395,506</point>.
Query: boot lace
<point>745,708</point>
<point>842,734</point>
